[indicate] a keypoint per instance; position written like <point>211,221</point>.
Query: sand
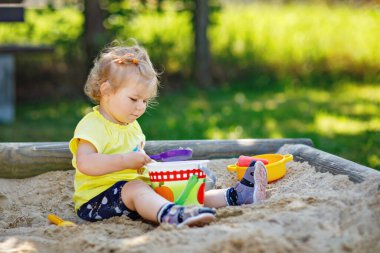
<point>306,211</point>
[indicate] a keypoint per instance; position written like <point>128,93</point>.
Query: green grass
<point>298,35</point>
<point>309,71</point>
<point>291,39</point>
<point>60,27</point>
<point>344,121</point>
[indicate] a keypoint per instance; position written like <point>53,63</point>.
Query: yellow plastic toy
<point>59,222</point>
<point>276,166</point>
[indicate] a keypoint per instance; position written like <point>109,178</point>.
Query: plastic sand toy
<point>275,165</point>
<point>181,182</point>
<point>59,222</point>
<point>181,154</point>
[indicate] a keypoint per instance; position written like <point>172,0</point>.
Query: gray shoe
<point>251,187</point>
<point>189,215</point>
<point>260,180</point>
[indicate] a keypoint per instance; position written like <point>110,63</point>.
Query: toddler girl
<point>108,154</point>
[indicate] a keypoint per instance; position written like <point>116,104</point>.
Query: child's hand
<point>136,160</point>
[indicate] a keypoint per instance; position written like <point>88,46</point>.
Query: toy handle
<point>232,168</point>
<point>245,161</point>
<point>54,219</point>
<point>193,180</point>
<point>173,155</point>
<point>59,222</point>
<point>288,157</point>
<point>155,157</point>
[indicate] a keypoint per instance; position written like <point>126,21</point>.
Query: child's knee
<point>135,185</point>
<point>132,189</point>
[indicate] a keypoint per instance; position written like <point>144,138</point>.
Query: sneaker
<point>189,215</point>
<point>260,177</point>
<point>251,187</point>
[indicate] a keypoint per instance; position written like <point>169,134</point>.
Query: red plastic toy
<point>245,161</point>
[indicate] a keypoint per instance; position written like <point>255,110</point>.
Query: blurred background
<point>231,69</point>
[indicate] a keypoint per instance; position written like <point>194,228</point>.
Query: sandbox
<point>323,204</point>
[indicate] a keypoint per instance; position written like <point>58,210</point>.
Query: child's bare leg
<point>215,198</point>
<point>139,196</point>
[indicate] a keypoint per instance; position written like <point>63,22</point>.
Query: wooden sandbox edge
<point>27,159</point>
<point>326,162</point>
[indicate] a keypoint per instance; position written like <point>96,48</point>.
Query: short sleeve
<point>91,130</point>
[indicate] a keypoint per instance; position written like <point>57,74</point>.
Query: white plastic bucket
<point>181,182</point>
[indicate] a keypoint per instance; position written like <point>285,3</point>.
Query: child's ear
<point>105,88</point>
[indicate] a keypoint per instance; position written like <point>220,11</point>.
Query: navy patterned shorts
<point>106,205</point>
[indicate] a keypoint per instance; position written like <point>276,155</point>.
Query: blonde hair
<point>117,64</point>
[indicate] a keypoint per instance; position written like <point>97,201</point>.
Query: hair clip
<point>134,61</point>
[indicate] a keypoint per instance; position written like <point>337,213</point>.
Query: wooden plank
<point>11,12</point>
<point>7,80</point>
<point>16,49</point>
<point>7,69</point>
<point>21,160</point>
<point>326,162</point>
<point>214,149</point>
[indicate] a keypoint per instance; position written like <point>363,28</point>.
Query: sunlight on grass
<point>269,103</point>
<point>257,106</point>
<point>232,132</point>
<point>172,31</point>
<point>360,109</point>
<point>227,110</point>
<point>199,104</point>
<point>368,92</point>
<point>318,96</point>
<point>273,127</point>
<point>213,120</point>
<point>341,120</point>
<point>374,160</point>
<point>297,34</point>
<point>330,125</point>
<point>171,122</point>
<point>240,98</point>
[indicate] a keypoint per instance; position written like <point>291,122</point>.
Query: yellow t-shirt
<point>108,138</point>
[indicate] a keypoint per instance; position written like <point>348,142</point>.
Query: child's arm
<point>92,163</point>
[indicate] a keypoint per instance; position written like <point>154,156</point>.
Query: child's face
<point>127,103</point>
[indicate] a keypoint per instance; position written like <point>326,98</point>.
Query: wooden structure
<point>21,160</point>
<point>12,11</point>
<point>326,162</point>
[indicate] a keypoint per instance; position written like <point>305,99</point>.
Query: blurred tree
<point>103,15</point>
<point>201,11</point>
<point>202,51</point>
<point>95,35</point>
